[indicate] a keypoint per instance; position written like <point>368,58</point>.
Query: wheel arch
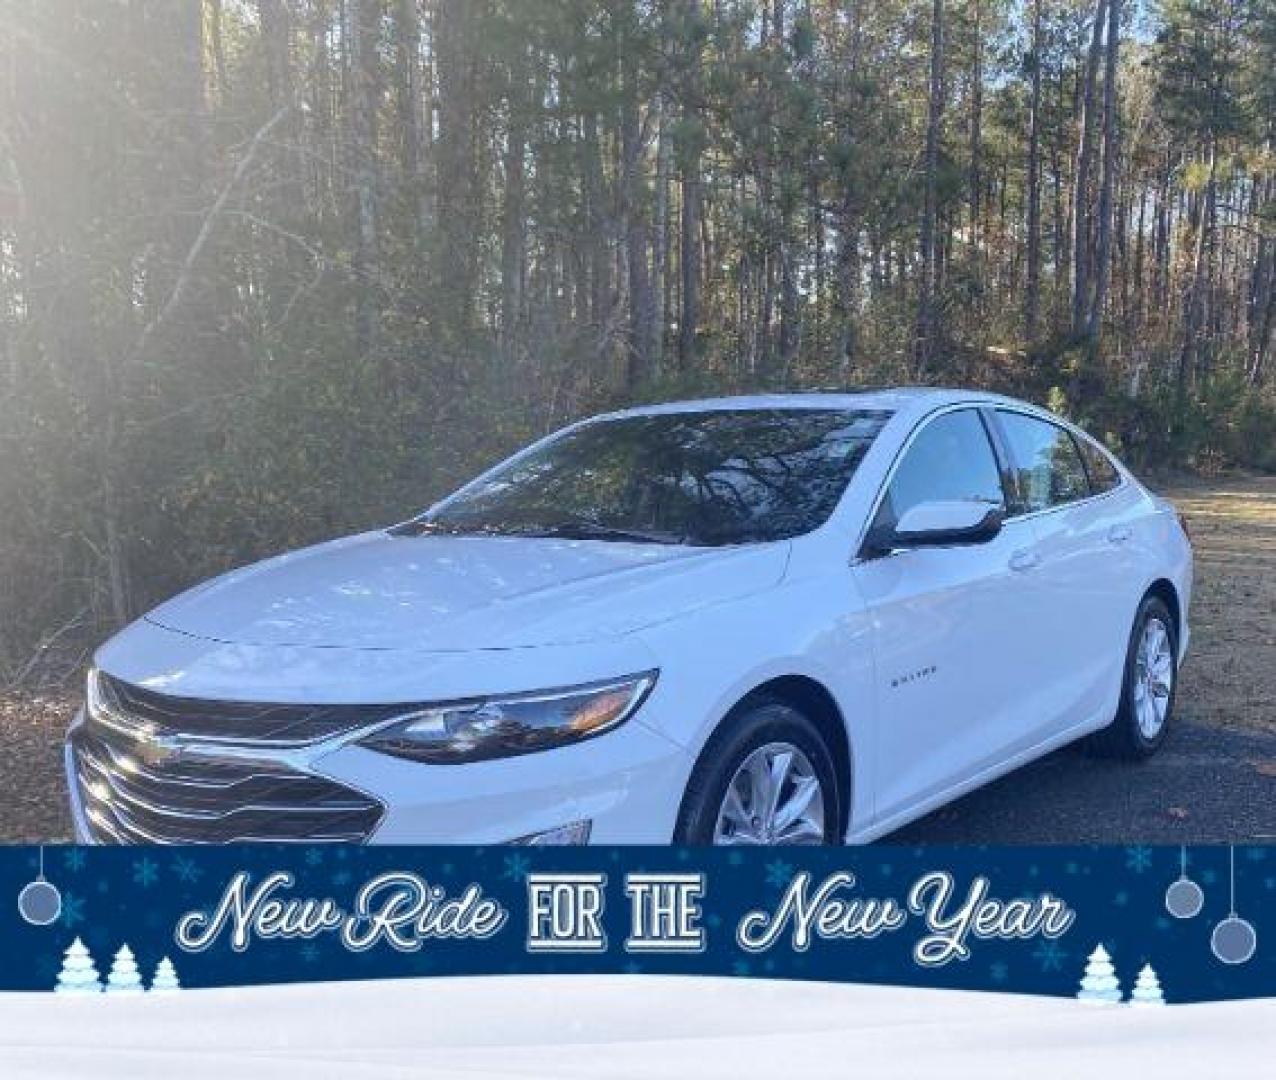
<point>1165,591</point>
<point>814,700</point>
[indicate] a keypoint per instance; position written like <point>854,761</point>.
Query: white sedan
<point>792,619</point>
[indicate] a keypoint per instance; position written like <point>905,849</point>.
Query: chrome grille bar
<point>239,722</point>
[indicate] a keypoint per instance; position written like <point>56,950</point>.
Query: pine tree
<point>165,980</point>
<point>1100,982</point>
<point>78,975</point>
<point>124,977</point>
<point>1147,989</point>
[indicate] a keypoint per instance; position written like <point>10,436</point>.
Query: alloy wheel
<point>1153,678</point>
<point>774,798</point>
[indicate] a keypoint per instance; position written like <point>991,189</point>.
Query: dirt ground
<point>1230,676</point>
<point>1214,781</point>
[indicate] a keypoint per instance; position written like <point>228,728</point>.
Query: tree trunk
<point>365,76</point>
<point>660,245</point>
<point>637,242</point>
<point>513,219</point>
<point>1032,295</point>
<point>456,187</point>
<point>689,321</point>
<point>927,322</point>
<point>1081,184</point>
<point>1103,247</point>
<point>1194,302</point>
<point>976,152</point>
<point>408,102</point>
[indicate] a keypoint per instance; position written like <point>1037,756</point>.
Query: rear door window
<point>1046,462</point>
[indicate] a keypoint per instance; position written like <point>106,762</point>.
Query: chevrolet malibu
<point>795,619</point>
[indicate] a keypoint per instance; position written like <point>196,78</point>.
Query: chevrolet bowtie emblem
<point>158,751</point>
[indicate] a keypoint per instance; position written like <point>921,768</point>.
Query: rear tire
<point>1147,689</point>
<point>766,756</point>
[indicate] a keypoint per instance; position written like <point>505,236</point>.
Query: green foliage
<point>223,335</point>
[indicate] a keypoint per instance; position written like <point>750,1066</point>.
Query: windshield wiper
<point>574,529</point>
<point>580,529</point>
<point>426,527</point>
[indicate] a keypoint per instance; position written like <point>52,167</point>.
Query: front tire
<point>1148,687</point>
<point>766,778</point>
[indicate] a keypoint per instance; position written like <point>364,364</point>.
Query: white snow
<point>618,1026</point>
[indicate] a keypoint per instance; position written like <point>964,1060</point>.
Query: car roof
<point>913,399</point>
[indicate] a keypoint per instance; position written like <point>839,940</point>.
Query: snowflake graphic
<point>1138,859</point>
<point>310,953</point>
<point>516,867</point>
<point>314,856</point>
<point>341,878</point>
<point>999,972</point>
<point>740,968</point>
<point>72,910</point>
<point>187,869</point>
<point>145,872</point>
<point>1121,899</point>
<point>778,873</point>
<point>74,859</point>
<point>1049,956</point>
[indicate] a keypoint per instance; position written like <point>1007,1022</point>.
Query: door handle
<point>1119,534</point>
<point>1022,561</point>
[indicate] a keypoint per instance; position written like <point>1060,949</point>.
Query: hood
<point>460,593</point>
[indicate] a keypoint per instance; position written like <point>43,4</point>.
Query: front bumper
<point>627,784</point>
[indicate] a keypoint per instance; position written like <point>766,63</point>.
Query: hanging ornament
<point>1184,898</point>
<point>1234,939</point>
<point>39,902</point>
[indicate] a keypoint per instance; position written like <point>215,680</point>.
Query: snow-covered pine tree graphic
<point>124,977</point>
<point>165,980</point>
<point>78,975</point>
<point>1100,983</point>
<point>1147,988</point>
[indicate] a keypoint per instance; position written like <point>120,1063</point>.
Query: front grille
<point>235,721</point>
<point>131,796</point>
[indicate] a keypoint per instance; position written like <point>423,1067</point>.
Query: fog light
<point>573,835</point>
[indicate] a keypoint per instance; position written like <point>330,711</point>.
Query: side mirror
<point>941,523</point>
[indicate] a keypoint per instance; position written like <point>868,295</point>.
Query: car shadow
<point>1206,785</point>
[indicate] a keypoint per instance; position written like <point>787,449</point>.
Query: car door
<point>952,625</point>
<point>1087,573</point>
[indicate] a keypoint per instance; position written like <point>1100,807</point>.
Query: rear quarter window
<point>1098,466</point>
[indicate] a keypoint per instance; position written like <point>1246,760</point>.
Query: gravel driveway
<point>1214,781</point>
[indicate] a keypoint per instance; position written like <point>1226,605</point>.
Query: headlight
<point>508,726</point>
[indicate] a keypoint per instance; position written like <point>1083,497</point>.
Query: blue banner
<point>1192,925</point>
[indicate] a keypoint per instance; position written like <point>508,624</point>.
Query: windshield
<point>710,477</point>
